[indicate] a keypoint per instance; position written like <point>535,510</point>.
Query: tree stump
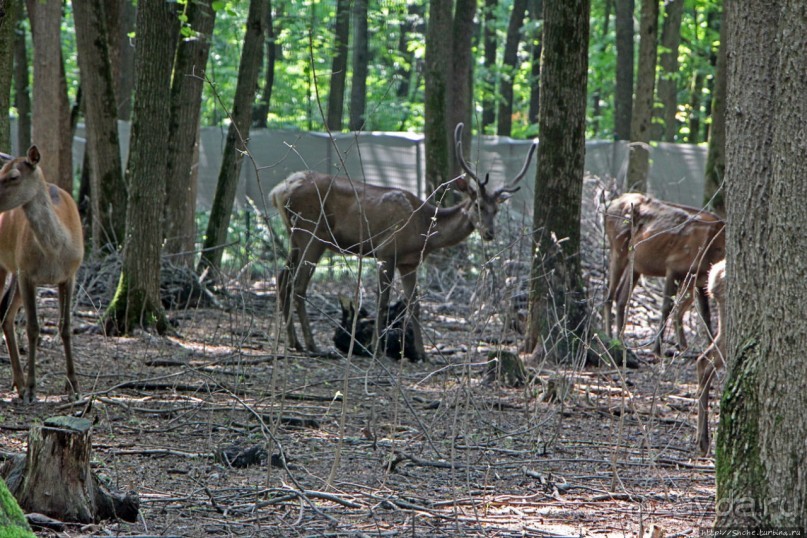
<point>55,478</point>
<point>505,368</point>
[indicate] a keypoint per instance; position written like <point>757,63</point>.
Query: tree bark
<point>623,92</point>
<point>336,96</point>
<point>437,67</point>
<point>22,93</point>
<point>127,12</point>
<point>186,101</point>
<point>509,71</point>
<point>271,55</point>
<point>668,78</point>
<point>536,9</point>
<point>763,424</point>
<point>103,148</point>
<point>461,81</point>
<point>358,83</point>
<point>695,91</point>
<point>137,299</point>
<point>236,143</point>
<point>642,115</point>
<point>559,180</point>
<point>596,96</point>
<point>489,45</point>
<point>714,191</point>
<point>8,24</point>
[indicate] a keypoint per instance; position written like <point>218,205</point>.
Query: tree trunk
<point>261,110</point>
<point>126,71</point>
<point>695,108</point>
<point>668,78</point>
<point>509,71</point>
<point>186,101</point>
<point>358,83</point>
<point>536,9</point>
<point>46,18</point>
<point>8,24</point>
<point>22,94</point>
<point>760,476</point>
<point>12,520</point>
<point>438,65</point>
<point>461,81</point>
<point>642,115</point>
<point>103,148</point>
<point>559,179</point>
<point>55,477</point>
<point>623,92</point>
<point>596,96</point>
<point>236,143</point>
<point>137,299</point>
<point>406,68</point>
<point>336,96</point>
<point>489,44</point>
<point>714,190</point>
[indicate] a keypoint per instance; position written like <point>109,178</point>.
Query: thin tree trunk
<point>461,81</point>
<point>596,96</point>
<point>236,144</point>
<point>559,180</point>
<point>489,45</point>
<point>22,93</point>
<point>536,9</point>
<point>642,115</point>
<point>8,24</point>
<point>505,123</point>
<point>695,108</point>
<point>336,96</point>
<point>358,83</point>
<point>668,78</point>
<point>126,76</point>
<point>714,191</point>
<point>186,101</point>
<point>103,148</point>
<point>623,92</point>
<point>137,299</point>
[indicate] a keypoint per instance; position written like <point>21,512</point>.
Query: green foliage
<point>12,520</point>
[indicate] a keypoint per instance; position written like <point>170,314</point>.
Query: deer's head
<point>20,180</point>
<point>483,204</point>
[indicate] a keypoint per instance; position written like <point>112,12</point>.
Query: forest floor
<point>376,447</point>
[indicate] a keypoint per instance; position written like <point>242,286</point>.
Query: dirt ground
<point>379,447</point>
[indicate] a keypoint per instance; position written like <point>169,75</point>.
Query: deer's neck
<point>45,224</point>
<point>448,226</point>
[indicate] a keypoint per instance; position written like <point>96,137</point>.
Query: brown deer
<point>391,225</point>
<point>714,357</point>
<point>41,244</point>
<point>656,238</point>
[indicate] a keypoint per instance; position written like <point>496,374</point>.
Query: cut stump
<point>55,477</point>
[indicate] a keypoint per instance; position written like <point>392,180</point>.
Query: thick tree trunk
<point>8,25</point>
<point>623,92</point>
<point>361,58</point>
<point>509,71</point>
<point>461,81</point>
<point>668,78</point>
<point>55,477</point>
<point>336,96</point>
<point>714,191</point>
<point>559,179</point>
<point>237,136</point>
<point>760,476</point>
<point>137,299</point>
<point>103,148</point>
<point>186,101</point>
<point>438,65</point>
<point>642,115</point>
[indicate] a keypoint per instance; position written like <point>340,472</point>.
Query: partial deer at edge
<point>41,244</point>
<point>714,358</point>
<point>654,238</point>
<point>392,225</point>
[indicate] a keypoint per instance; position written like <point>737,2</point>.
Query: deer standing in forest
<point>654,238</point>
<point>714,357</point>
<point>41,244</point>
<point>391,225</point>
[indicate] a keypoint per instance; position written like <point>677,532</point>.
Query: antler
<point>511,187</point>
<point>461,157</point>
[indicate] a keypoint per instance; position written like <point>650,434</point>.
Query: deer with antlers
<point>41,243</point>
<point>655,238</point>
<point>398,229</point>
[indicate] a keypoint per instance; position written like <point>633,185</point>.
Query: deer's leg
<point>301,277</point>
<point>683,301</point>
<point>703,308</point>
<point>616,269</point>
<point>708,363</point>
<point>409,281</point>
<point>28,293</point>
<point>386,274</point>
<point>623,293</point>
<point>65,298</point>
<point>670,288</point>
<point>9,306</point>
<point>284,290</point>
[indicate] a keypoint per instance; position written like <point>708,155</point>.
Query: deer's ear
<point>461,184</point>
<point>33,155</point>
